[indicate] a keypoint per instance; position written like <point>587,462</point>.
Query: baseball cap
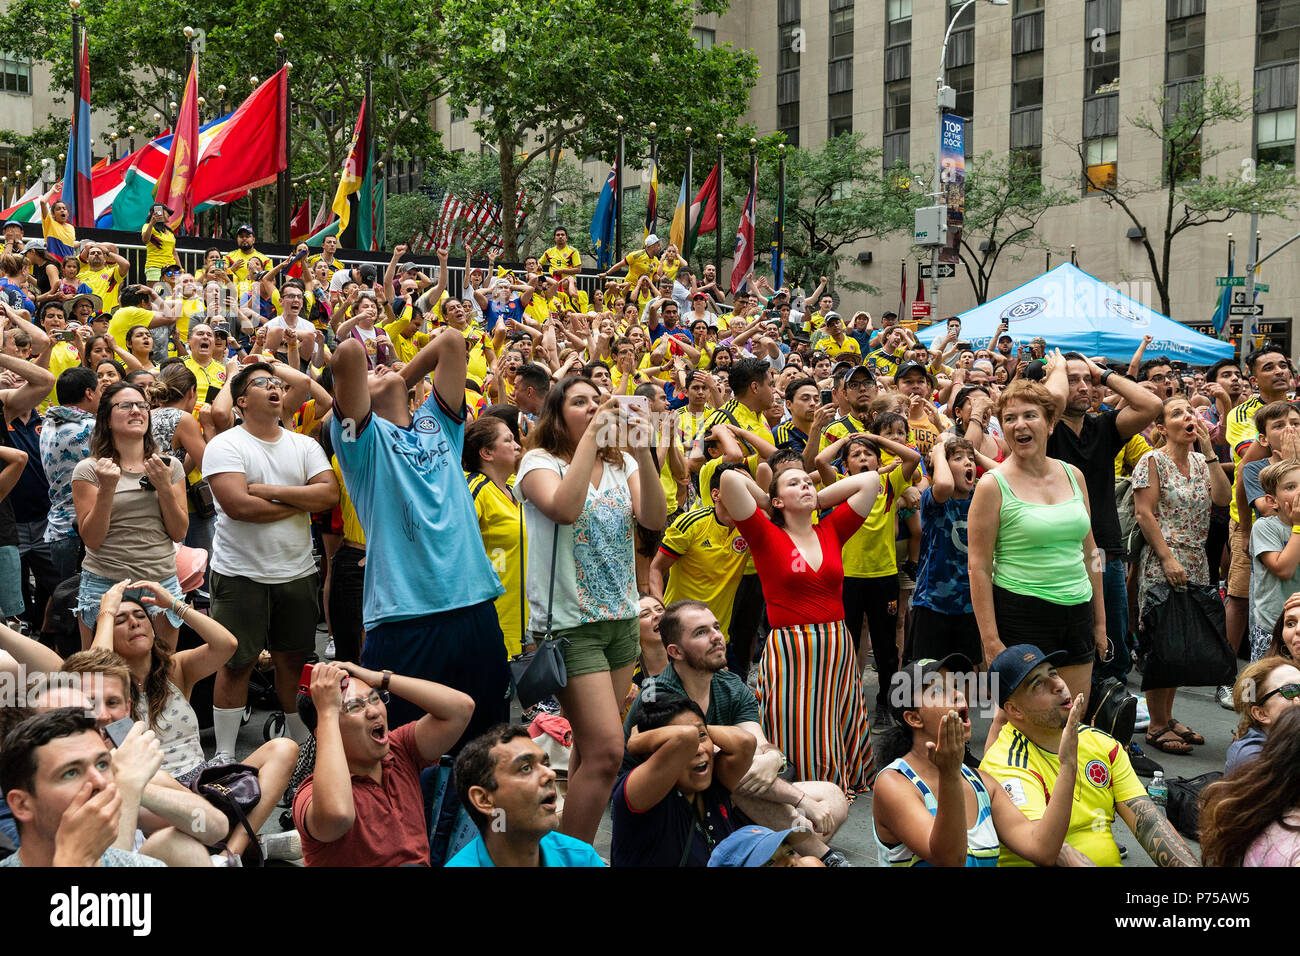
<point>832,316</point>
<point>245,228</point>
<point>172,269</point>
<point>751,846</point>
<point>1013,665</point>
<point>912,366</point>
<point>650,240</point>
<point>12,222</point>
<point>847,374</point>
<point>909,683</point>
<point>36,245</point>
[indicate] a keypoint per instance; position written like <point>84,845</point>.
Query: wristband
<point>383,685</point>
<point>1105,375</point>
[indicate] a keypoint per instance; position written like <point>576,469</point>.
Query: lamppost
<point>946,98</point>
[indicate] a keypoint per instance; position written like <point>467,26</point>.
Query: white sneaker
<point>1224,696</point>
<point>282,846</point>
<point>1143,721</point>
<point>329,649</point>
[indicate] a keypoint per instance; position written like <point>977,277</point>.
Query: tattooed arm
<point>1156,834</point>
<point>1069,856</point>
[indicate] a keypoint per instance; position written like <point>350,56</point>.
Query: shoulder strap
<point>1069,473</point>
<point>550,591</point>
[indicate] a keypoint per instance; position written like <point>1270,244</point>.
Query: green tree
<point>548,77</point>
<point>1189,198</point>
<point>408,215</point>
<point>1004,202</point>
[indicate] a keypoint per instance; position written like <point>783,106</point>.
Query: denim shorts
<point>93,587</point>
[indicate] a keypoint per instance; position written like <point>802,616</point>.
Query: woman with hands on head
<point>929,808</point>
<point>809,688</point>
<point>130,505</point>
<point>162,680</point>
<point>586,482</point>
<point>1173,488</point>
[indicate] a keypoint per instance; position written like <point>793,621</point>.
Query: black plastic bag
<point>1184,634</point>
<point>1184,807</point>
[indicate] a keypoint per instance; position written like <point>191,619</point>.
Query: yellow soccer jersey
<point>211,378</point>
<point>871,552</point>
<point>689,422</point>
<point>1128,456</point>
<point>840,428</point>
<point>706,485</point>
<point>711,558</point>
<point>124,319</point>
<point>501,523</point>
<point>237,262</point>
<point>848,349</point>
<point>352,529</point>
<point>736,413</point>
<point>555,258</point>
<point>640,263</point>
<point>161,249</point>
<point>1240,433</point>
<point>62,357</point>
<point>1106,778</point>
<point>105,283</point>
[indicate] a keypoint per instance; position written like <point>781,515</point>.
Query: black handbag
<point>233,789</point>
<point>1184,806</point>
<point>540,673</point>
<point>1112,708</point>
<point>200,498</point>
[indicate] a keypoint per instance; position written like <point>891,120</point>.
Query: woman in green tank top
<point>1035,573</point>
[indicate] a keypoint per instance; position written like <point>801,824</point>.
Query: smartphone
<point>118,730</point>
<point>220,263</point>
<point>70,336</point>
<point>304,681</point>
<point>827,397</point>
<point>639,402</point>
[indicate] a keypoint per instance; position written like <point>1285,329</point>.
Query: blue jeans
<point>1115,592</point>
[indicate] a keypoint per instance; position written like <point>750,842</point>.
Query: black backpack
<point>1184,807</point>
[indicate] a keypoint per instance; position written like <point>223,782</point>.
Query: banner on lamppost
<point>952,178</point>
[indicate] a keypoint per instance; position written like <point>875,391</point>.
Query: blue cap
<point>750,846</point>
<point>1013,665</point>
<point>244,227</point>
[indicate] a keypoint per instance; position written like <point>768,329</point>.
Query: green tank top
<point>1038,552</point>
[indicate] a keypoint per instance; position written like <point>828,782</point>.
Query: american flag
<point>475,222</point>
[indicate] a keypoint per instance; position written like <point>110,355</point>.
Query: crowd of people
<point>784,557</point>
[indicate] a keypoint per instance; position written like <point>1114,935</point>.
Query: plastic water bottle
<point>1159,790</point>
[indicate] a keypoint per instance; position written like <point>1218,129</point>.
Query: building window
<point>787,54</point>
<point>967,20</point>
<point>704,38</point>
<point>841,113</point>
<point>898,82</point>
<point>962,80</point>
<point>1275,138</point>
<point>1185,49</point>
<point>15,74</point>
<point>898,106</point>
<point>842,33</point>
<point>1103,163</point>
<point>790,41</point>
<point>787,121</point>
<point>1028,158</point>
<point>1025,6</point>
<point>1101,74</point>
<point>1027,80</point>
<point>898,27</point>
<point>1278,31</point>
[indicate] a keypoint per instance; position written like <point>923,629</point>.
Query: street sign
<point>1225,281</point>
<point>920,310</point>
<point>1255,309</point>
<point>946,270</point>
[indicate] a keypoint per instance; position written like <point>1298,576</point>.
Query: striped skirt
<point>812,704</point>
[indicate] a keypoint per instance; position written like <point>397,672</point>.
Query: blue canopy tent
<point>1077,312</point>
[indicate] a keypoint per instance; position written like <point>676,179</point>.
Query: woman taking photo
<point>808,683</point>
<point>130,504</point>
<point>162,680</point>
<point>1033,574</point>
<point>583,497</point>
<point>1173,490</point>
<point>1252,818</point>
<point>929,809</point>
<point>490,457</point>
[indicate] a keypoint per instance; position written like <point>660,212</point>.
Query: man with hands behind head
<point>363,805</point>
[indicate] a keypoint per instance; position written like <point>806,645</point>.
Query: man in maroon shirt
<point>363,805</point>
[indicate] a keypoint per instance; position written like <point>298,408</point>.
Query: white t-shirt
<point>301,325</point>
<point>276,551</point>
<point>600,543</point>
<point>339,279</point>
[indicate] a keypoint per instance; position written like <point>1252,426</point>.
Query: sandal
<point>1187,734</point>
<point>1168,741</point>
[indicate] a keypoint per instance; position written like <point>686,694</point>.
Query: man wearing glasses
<point>266,482</point>
<point>291,319</point>
<point>362,806</point>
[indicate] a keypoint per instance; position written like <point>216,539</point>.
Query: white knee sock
<point>225,725</point>
<point>295,728</point>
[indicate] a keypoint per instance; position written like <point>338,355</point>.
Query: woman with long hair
<point>583,497</point>
<point>928,808</point>
<point>1252,818</point>
<point>139,342</point>
<point>162,680</point>
<point>490,457</point>
<point>130,505</point>
<point>109,372</point>
<point>175,429</point>
<point>1173,489</point>
<point>1260,695</point>
<point>1034,578</point>
<point>95,350</point>
<point>808,683</point>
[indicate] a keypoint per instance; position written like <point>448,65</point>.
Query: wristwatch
<point>388,675</point>
<point>1106,374</point>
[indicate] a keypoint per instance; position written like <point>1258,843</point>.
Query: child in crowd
<point>1274,553</point>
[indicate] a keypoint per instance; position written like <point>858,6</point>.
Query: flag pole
<point>282,177</point>
<point>717,236</point>
<point>753,187</point>
<point>78,21</point>
<point>618,194</point>
<point>652,221</point>
<point>778,262</point>
<point>686,233</point>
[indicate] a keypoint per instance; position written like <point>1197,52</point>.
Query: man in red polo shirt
<point>363,805</point>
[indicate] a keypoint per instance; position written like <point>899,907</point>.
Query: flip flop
<point>1169,741</point>
<point>1187,734</point>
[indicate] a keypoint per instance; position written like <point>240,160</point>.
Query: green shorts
<point>600,646</point>
<point>278,617</point>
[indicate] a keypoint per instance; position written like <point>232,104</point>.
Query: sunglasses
<point>1288,692</point>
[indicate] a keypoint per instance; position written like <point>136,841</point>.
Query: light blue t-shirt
<point>556,849</point>
<point>1268,593</point>
<point>424,554</point>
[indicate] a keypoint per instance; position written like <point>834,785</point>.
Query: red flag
<point>300,225</point>
<point>743,259</point>
<point>920,290</point>
<point>175,187</point>
<point>704,210</point>
<point>253,144</point>
<point>902,295</point>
